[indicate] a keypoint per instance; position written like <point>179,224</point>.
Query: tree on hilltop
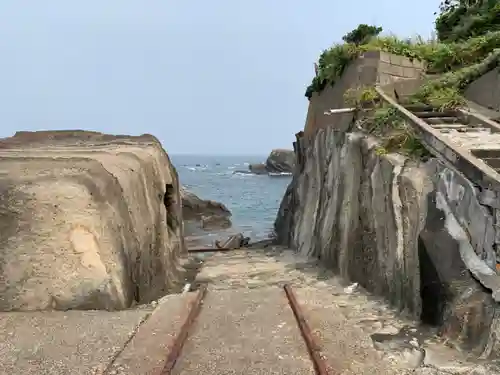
<point>463,19</point>
<point>362,34</point>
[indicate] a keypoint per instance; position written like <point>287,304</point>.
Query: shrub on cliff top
<point>459,20</point>
<point>453,83</point>
<point>377,118</point>
<point>362,34</point>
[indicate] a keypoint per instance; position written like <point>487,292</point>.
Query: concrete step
<point>477,129</point>
<point>475,141</point>
<point>492,162</point>
<point>437,114</point>
<point>443,120</point>
<point>450,126</point>
<point>486,153</point>
<point>420,107</point>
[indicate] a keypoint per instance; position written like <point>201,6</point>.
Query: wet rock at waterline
<point>279,162</point>
<point>209,214</point>
<point>87,221</point>
<point>214,222</point>
<point>259,168</point>
<point>416,233</point>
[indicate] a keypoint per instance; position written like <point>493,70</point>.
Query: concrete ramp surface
<point>60,343</point>
<point>245,332</point>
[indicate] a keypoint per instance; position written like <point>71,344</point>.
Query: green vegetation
<point>383,121</point>
<point>467,46</point>
<point>448,87</point>
<point>362,34</point>
<point>460,20</point>
<point>440,57</point>
<point>364,97</point>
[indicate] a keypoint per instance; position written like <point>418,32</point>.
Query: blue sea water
<point>253,199</point>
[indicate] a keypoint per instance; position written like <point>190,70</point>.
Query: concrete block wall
<point>485,91</point>
<point>393,68</point>
<point>373,67</point>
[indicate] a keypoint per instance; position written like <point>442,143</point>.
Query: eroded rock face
<point>210,214</point>
<point>278,161</point>
<point>419,234</point>
<point>87,221</point>
<point>281,161</point>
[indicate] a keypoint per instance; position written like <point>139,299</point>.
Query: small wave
<point>243,174</point>
<point>195,169</point>
<point>224,173</point>
<point>280,174</point>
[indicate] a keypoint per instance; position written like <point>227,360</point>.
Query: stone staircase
<point>480,140</point>
<point>464,138</point>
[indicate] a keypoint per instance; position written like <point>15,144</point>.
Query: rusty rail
<point>179,341</point>
<point>312,346</point>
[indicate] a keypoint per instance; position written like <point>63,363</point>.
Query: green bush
<point>460,20</point>
<point>440,57</point>
<point>362,34</point>
<point>452,84</point>
<point>468,46</point>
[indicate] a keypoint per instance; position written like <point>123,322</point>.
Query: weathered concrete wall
<point>485,91</point>
<point>87,221</point>
<point>373,67</point>
<point>411,232</point>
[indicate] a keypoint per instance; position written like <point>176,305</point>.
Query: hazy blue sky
<point>206,77</point>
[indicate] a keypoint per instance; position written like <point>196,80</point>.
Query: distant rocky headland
<point>280,162</point>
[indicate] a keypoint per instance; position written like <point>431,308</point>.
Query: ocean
<point>253,199</point>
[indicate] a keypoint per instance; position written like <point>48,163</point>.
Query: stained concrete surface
<point>60,343</point>
<point>345,318</point>
<point>245,326</point>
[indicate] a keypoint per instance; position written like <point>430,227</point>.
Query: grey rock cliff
<point>419,234</point>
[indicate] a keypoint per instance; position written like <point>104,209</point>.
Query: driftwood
<point>233,242</point>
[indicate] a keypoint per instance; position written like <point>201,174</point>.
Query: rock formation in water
<point>278,161</point>
<point>87,221</point>
<point>209,214</point>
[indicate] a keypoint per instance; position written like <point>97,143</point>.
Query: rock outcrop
<point>87,221</point>
<point>417,233</point>
<point>209,214</point>
<point>278,161</point>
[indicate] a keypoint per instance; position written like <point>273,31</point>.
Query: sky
<point>220,77</point>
